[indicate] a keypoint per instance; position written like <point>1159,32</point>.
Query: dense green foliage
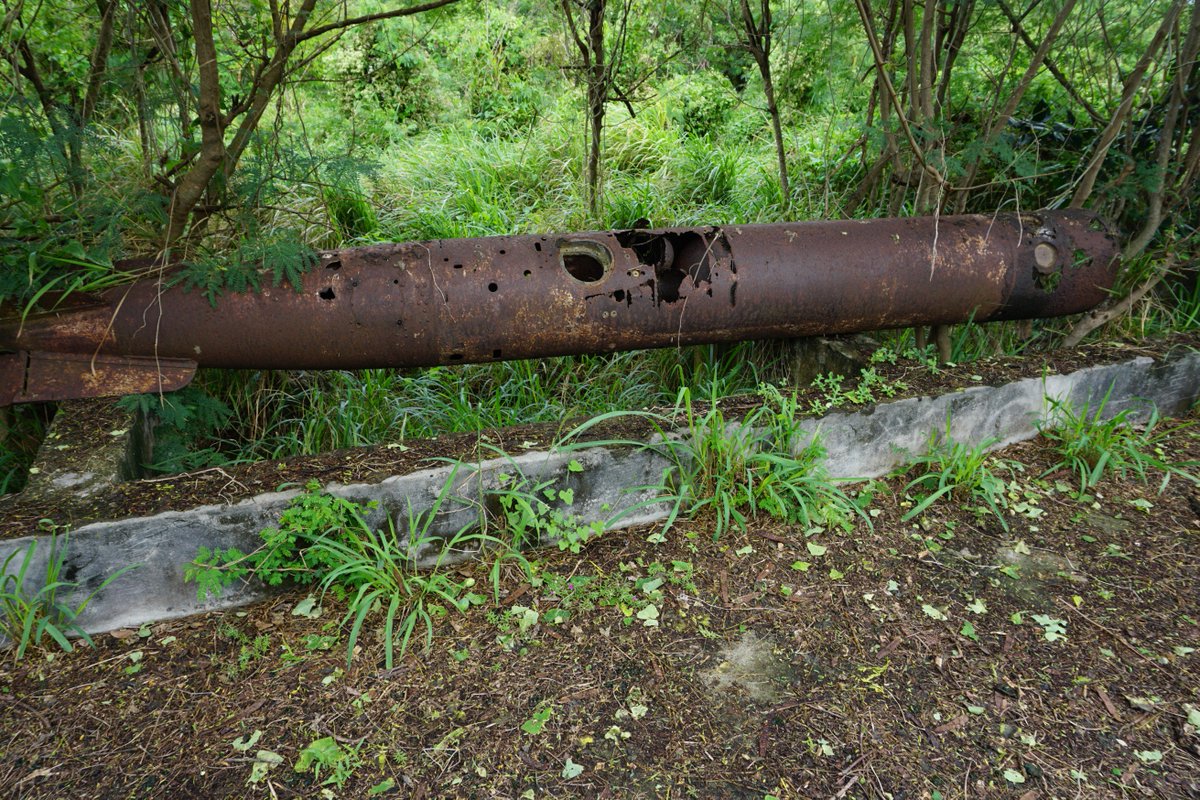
<point>326,540</point>
<point>471,120</point>
<point>467,121</point>
<point>759,464</point>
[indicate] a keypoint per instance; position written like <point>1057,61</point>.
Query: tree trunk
<point>1010,106</point>
<point>99,60</point>
<point>780,149</point>
<point>1176,101</point>
<point>758,42</point>
<point>146,136</point>
<point>1132,84</point>
<point>597,93</point>
<point>212,143</point>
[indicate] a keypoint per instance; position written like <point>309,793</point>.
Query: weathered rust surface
<point>44,376</point>
<point>476,300</point>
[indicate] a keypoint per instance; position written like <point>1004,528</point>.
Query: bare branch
<point>890,90</point>
<point>264,86</point>
<point>1109,311</point>
<point>1035,65</point>
<point>758,42</point>
<point>1132,84</point>
<point>1166,139</point>
<point>321,30</point>
<point>1050,65</point>
<point>29,69</point>
<point>1001,119</point>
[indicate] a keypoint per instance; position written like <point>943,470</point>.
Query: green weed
<point>737,469</point>
<point>185,423</point>
<point>535,513</point>
<point>327,540</point>
<point>25,619</point>
<point>1091,446</point>
<point>950,469</point>
<point>324,757</point>
<point>374,571</point>
<point>286,552</point>
<point>249,650</point>
<point>871,387</point>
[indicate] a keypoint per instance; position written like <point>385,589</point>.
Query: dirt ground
<point>940,657</point>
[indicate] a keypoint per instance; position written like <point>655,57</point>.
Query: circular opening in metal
<point>584,260</point>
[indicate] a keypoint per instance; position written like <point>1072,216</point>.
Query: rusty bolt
<point>1045,256</point>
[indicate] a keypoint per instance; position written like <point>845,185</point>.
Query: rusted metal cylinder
<point>455,301</point>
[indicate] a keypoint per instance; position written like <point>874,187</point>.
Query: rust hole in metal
<point>327,293</point>
<point>526,273</point>
<point>495,354</point>
<point>493,287</point>
<point>537,246</point>
<point>584,267</point>
<point>674,257</point>
<point>619,295</point>
<point>584,260</point>
<point>501,252</point>
<point>456,356</point>
<point>458,266</point>
<point>336,264</point>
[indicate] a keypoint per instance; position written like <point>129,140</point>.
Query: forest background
<point>232,135</point>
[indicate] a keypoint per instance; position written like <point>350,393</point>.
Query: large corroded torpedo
<point>454,301</point>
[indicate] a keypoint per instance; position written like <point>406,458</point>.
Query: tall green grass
<point>281,414</point>
<point>466,181</point>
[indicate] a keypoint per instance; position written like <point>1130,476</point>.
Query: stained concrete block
<point>164,544</point>
<point>871,443</point>
<point>90,446</point>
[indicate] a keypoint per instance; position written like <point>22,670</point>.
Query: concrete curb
<point>610,488</point>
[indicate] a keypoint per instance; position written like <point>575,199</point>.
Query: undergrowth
<point>1092,444</point>
<point>766,466</point>
<point>326,540</point>
<point>760,463</point>
<point>954,470</point>
<point>52,611</point>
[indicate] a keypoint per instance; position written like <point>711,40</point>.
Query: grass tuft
<point>1095,443</point>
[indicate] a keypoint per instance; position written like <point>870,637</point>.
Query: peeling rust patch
<point>44,377</point>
